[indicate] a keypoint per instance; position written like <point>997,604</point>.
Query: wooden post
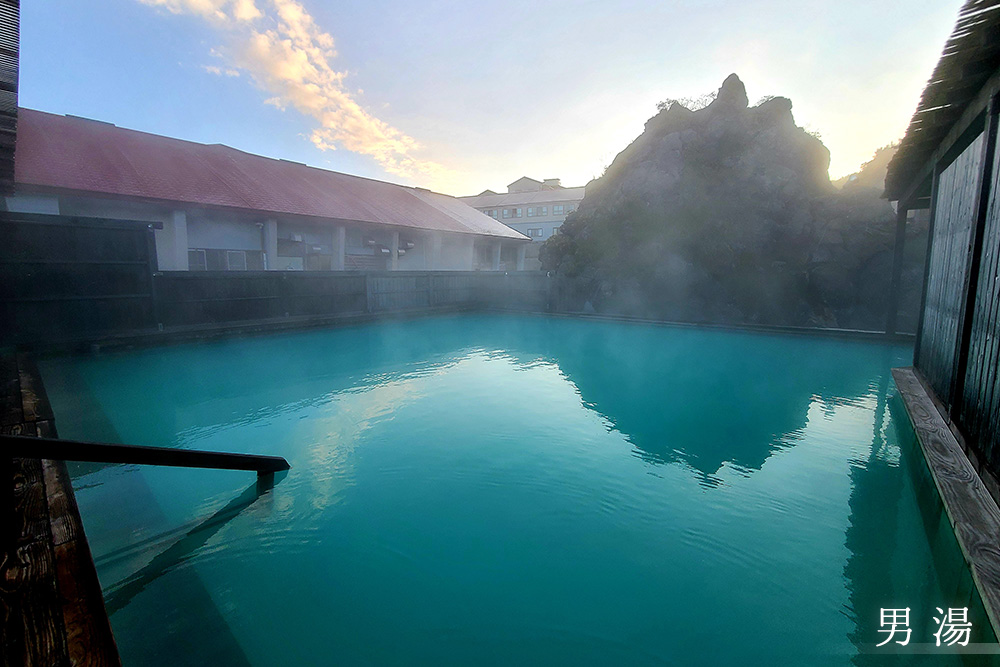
<point>971,284</point>
<point>935,180</point>
<point>394,252</point>
<point>892,316</point>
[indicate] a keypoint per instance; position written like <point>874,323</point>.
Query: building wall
<point>522,210</point>
<point>190,238</point>
<point>33,204</point>
<point>223,234</point>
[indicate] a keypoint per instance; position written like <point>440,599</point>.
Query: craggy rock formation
<point>727,214</point>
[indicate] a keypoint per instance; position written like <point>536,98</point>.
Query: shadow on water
<point>189,620</point>
<point>186,546</point>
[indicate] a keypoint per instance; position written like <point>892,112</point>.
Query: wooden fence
<point>67,279</point>
<point>958,344</point>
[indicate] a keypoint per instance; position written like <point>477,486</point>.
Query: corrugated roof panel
<point>74,154</point>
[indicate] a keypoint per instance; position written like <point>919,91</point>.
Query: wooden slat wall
<point>10,39</point>
<point>978,409</point>
<point>216,297</point>
<point>77,277</point>
<point>212,297</point>
<point>954,217</point>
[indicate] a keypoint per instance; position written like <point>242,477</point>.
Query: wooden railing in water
<point>29,447</point>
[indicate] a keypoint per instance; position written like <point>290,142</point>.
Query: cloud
<point>287,54</point>
<point>218,71</point>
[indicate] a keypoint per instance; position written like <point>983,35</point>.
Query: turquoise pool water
<point>512,490</point>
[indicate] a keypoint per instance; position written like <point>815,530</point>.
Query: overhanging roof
<point>970,57</point>
<point>74,155</point>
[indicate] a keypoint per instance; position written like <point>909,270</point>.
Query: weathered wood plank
<point>52,608</point>
<point>34,400</point>
<point>32,632</point>
<point>972,512</point>
<point>10,392</point>
<point>88,630</point>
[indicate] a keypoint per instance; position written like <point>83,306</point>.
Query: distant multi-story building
<point>535,208</point>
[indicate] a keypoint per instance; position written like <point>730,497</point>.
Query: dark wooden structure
<point>10,39</point>
<point>948,161</point>
<point>39,447</point>
<point>52,608</point>
<point>65,279</point>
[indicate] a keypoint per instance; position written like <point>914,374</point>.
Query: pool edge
<point>57,603</point>
<point>971,509</point>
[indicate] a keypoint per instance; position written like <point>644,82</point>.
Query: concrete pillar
<point>180,240</point>
<point>434,256</point>
<point>394,252</point>
<point>496,257</point>
<point>339,248</point>
<point>270,243</point>
<point>172,243</point>
<point>521,249</point>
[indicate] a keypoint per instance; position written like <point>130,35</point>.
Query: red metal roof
<point>83,156</point>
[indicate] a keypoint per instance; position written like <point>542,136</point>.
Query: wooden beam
<point>74,450</point>
<point>935,180</point>
<point>972,111</point>
<point>897,270</point>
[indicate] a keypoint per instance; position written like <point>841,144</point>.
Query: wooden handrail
<point>30,447</point>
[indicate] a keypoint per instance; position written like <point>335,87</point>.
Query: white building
<point>534,208</point>
<point>217,208</point>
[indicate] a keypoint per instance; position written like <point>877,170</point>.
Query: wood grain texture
<point>51,603</point>
<point>971,510</point>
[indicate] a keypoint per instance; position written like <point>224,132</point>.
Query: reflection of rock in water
<point>705,397</point>
<point>710,397</point>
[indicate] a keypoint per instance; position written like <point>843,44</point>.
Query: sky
<point>464,96</point>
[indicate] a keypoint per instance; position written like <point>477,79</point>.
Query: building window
<point>196,260</point>
<point>517,213</point>
<point>543,210</point>
<point>570,209</point>
<point>236,260</point>
<point>558,209</point>
<point>531,212</point>
<point>210,259</point>
<point>535,232</point>
<point>506,213</point>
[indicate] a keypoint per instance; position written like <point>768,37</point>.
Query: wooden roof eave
<point>920,178</point>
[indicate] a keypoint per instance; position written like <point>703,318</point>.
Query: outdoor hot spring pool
<point>512,490</point>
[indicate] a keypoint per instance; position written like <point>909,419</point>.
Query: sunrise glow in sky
<point>464,96</point>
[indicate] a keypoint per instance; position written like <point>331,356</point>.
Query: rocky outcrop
<point>727,214</point>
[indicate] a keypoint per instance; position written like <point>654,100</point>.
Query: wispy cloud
<point>281,47</point>
<point>218,71</point>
